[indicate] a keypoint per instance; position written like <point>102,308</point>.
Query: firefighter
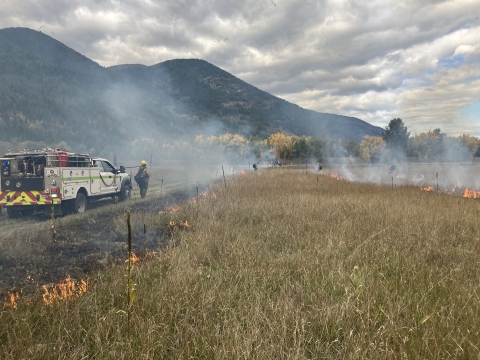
<point>255,166</point>
<point>142,177</point>
<point>391,168</point>
<point>319,167</point>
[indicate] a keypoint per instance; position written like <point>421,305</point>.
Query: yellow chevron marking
<point>24,199</point>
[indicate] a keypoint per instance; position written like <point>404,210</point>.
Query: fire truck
<point>34,182</point>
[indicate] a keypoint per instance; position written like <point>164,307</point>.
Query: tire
<point>13,213</point>
<point>125,190</point>
<point>27,212</point>
<point>79,205</point>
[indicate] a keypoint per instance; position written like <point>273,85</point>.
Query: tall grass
<point>282,267</point>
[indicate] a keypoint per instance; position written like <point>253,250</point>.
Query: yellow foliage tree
<point>371,148</point>
<point>471,143</point>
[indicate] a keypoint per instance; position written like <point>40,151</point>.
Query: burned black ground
<point>80,245</point>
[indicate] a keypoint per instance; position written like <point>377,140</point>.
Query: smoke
<point>146,121</point>
<point>452,167</point>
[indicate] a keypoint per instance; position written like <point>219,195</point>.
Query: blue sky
<point>377,60</point>
<point>472,111</point>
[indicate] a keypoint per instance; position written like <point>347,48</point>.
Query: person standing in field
<point>141,178</point>
<point>391,168</point>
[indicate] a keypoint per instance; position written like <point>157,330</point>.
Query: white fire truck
<point>34,181</point>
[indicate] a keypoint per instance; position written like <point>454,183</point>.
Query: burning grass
<point>451,179</point>
<point>471,194</point>
<point>66,289</point>
<point>283,265</point>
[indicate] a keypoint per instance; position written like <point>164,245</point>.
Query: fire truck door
<point>108,179</point>
<point>94,181</point>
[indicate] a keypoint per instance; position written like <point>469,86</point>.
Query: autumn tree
<point>470,142</point>
<point>371,148</point>
<point>428,146</point>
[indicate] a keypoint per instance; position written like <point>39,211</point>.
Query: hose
<point>113,182</point>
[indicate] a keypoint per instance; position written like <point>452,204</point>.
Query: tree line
<point>395,144</point>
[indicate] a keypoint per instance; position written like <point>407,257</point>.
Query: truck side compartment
<point>31,181</point>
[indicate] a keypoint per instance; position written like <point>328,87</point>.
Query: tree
<point>371,148</point>
<point>353,147</point>
<point>318,146</point>
<point>396,137</point>
<point>470,142</point>
<point>428,146</point>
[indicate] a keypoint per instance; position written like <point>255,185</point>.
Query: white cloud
<point>418,60</point>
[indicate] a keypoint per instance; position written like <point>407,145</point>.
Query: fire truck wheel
<point>27,212</point>
<point>12,213</point>
<point>125,190</point>
<point>79,205</point>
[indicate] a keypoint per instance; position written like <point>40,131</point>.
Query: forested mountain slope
<point>51,93</point>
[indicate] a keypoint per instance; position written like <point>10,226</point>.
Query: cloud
<point>376,60</point>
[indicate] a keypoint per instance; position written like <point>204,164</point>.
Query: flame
<point>11,300</point>
<point>335,176</point>
<point>204,196</point>
<point>471,194</point>
<point>181,224</point>
<point>242,172</point>
<point>454,189</point>
<point>64,290</point>
<point>134,258</point>
<point>170,209</point>
<point>428,188</point>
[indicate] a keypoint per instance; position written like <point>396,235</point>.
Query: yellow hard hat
<point>143,162</point>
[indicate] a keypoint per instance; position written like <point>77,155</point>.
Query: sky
<point>418,60</point>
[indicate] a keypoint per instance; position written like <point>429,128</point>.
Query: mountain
<point>51,93</point>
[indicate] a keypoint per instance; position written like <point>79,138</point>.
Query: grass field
<point>278,264</point>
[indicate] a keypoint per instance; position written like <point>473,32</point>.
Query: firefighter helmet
<point>143,162</point>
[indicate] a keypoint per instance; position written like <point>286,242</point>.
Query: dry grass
<point>266,270</point>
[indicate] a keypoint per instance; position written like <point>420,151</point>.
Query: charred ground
<point>32,253</point>
<point>81,244</point>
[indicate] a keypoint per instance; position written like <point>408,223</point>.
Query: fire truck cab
<point>34,181</point>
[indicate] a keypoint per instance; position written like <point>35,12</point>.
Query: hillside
<point>51,93</point>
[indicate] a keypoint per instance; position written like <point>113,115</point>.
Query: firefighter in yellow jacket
<point>142,177</point>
